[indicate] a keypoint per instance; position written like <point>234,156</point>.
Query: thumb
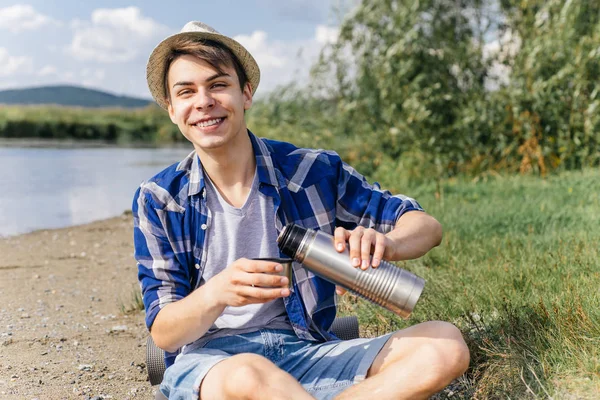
<point>340,290</point>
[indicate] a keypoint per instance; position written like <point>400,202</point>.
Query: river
<point>45,188</point>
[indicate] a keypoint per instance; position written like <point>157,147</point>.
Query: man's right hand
<point>248,281</point>
<point>194,314</point>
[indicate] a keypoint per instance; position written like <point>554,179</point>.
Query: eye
<point>184,92</point>
<point>219,85</point>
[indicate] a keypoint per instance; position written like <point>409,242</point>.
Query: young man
<point>240,332</point>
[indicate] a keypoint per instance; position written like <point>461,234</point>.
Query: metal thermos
<point>387,285</point>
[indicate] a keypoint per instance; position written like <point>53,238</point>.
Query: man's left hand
<point>361,242</point>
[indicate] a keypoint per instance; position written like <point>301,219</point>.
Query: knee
<point>247,376</point>
<point>447,351</point>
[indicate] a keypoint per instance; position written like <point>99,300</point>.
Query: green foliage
<point>552,97</point>
<point>150,125</point>
<point>518,272</point>
<point>409,87</point>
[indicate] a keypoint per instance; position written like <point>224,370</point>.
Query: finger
<point>379,250</point>
<point>366,244</point>
<point>263,266</point>
<point>354,244</point>
<point>262,295</point>
<point>339,238</point>
<point>267,280</point>
<point>340,290</point>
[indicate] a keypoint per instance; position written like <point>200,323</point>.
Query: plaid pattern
<point>312,188</point>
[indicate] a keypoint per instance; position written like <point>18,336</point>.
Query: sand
<point>63,331</point>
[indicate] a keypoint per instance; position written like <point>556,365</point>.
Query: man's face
<point>207,106</point>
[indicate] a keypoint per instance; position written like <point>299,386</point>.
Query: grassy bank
<point>518,272</point>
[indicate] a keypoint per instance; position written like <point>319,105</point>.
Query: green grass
<point>518,272</point>
<point>134,304</point>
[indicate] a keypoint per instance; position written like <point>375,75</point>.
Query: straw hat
<point>156,68</point>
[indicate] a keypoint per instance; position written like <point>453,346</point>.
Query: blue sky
<point>105,44</point>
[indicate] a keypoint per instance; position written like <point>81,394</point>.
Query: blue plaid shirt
<point>312,188</point>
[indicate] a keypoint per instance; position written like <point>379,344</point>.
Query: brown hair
<point>212,52</point>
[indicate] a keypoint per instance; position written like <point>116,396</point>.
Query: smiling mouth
<point>210,122</point>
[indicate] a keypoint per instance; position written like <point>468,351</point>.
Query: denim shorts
<point>323,369</point>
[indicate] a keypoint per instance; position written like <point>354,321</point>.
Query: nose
<point>204,100</point>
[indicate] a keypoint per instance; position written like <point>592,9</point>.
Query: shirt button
<point>197,266</point>
<point>203,227</point>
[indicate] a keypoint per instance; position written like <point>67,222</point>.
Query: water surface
<point>44,188</point>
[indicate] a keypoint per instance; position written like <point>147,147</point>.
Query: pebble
<point>118,328</point>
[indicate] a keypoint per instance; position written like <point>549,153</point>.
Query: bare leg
<point>415,363</point>
<point>250,376</point>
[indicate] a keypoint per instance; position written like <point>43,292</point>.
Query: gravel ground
<point>63,333</point>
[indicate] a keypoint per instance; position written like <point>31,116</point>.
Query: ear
<point>247,93</point>
<point>171,111</point>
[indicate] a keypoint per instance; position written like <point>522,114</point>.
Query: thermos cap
<point>290,238</point>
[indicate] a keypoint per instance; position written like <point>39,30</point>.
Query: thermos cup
<point>387,285</point>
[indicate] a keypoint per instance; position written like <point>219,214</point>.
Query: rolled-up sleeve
<point>162,278</point>
<point>360,203</point>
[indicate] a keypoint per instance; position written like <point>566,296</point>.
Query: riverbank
<point>517,272</point>
<point>63,332</point>
<point>86,144</point>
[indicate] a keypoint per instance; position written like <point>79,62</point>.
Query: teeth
<point>210,122</point>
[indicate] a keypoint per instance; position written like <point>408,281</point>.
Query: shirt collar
<point>264,167</point>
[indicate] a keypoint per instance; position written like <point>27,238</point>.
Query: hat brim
<point>156,67</point>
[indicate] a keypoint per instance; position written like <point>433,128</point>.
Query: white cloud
<point>282,62</point>
<point>48,70</point>
<point>267,54</point>
<point>115,35</point>
<point>21,17</point>
<point>11,65</point>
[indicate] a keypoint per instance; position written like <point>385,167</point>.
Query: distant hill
<point>69,96</point>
